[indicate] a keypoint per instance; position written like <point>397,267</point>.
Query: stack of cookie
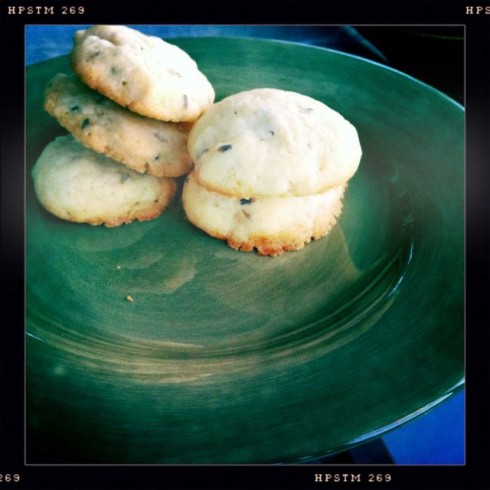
<point>270,170</point>
<point>267,168</point>
<point>128,109</point>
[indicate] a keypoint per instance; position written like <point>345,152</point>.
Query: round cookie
<point>77,184</point>
<point>143,73</point>
<point>271,142</point>
<point>141,143</point>
<point>271,224</point>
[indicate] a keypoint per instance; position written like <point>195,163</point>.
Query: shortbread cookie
<point>141,143</point>
<point>271,224</point>
<point>83,186</point>
<point>270,142</point>
<point>143,73</point>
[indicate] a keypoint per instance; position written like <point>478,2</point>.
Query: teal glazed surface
<point>229,357</point>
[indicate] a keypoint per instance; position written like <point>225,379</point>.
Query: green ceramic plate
<point>229,357</point>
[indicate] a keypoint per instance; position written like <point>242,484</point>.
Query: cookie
<point>143,73</point>
<point>271,142</point>
<point>269,224</point>
<point>77,184</point>
<point>141,143</point>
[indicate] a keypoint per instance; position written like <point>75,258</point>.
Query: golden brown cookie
<point>270,224</point>
<point>270,142</point>
<point>77,184</point>
<point>143,73</point>
<point>141,143</point>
